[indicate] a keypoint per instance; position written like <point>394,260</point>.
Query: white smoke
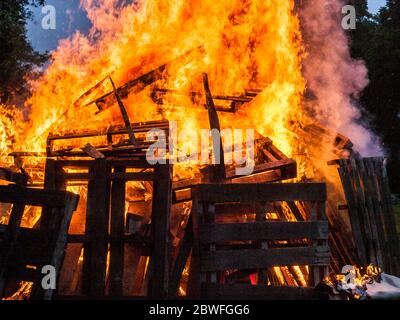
<point>335,79</point>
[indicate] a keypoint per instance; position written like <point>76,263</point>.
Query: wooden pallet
<point>252,247</point>
<point>23,251</point>
<point>366,187</point>
<point>109,146</point>
<point>104,227</point>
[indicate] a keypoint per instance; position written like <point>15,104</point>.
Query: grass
<point>397,217</point>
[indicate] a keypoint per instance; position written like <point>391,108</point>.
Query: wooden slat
<point>248,292</point>
<point>255,259</point>
<point>354,218</point>
<point>117,229</point>
<point>210,233</point>
<point>162,198</point>
<point>231,174</point>
<point>261,192</point>
<point>32,197</point>
<point>95,253</point>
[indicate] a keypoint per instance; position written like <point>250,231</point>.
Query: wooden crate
<point>105,225</point>
<point>24,251</point>
<point>253,247</point>
<point>116,141</point>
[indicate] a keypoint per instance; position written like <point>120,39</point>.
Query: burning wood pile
<point>251,215</point>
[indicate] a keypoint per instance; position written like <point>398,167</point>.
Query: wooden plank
<point>388,215</point>
<point>280,164</point>
<point>261,177</point>
<point>260,192</point>
<point>194,282</point>
<point>362,212</point>
<point>125,116</point>
<point>117,229</point>
<point>58,247</point>
<point>132,257</point>
<point>261,208</point>
<point>354,218</point>
<point>254,259</point>
<point>210,233</point>
<point>32,197</point>
<point>92,152</point>
<point>95,257</point>
<point>259,292</point>
<point>219,168</point>
<point>162,198</point>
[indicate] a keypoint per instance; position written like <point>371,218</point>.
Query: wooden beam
<point>255,259</point>
<point>260,192</point>
<point>117,229</point>
<point>248,292</point>
<point>162,198</point>
<point>210,233</point>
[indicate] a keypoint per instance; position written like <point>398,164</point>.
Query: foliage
<point>377,41</point>
<point>17,57</point>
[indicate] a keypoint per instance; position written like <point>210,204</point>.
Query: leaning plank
<point>125,116</point>
<point>218,150</point>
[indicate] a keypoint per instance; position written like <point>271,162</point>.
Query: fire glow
<point>247,48</point>
<point>248,45</point>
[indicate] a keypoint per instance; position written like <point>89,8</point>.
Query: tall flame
<point>247,43</point>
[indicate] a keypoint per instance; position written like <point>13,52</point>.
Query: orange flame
<point>248,44</point>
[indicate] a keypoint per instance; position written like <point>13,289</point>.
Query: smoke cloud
<point>334,78</point>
